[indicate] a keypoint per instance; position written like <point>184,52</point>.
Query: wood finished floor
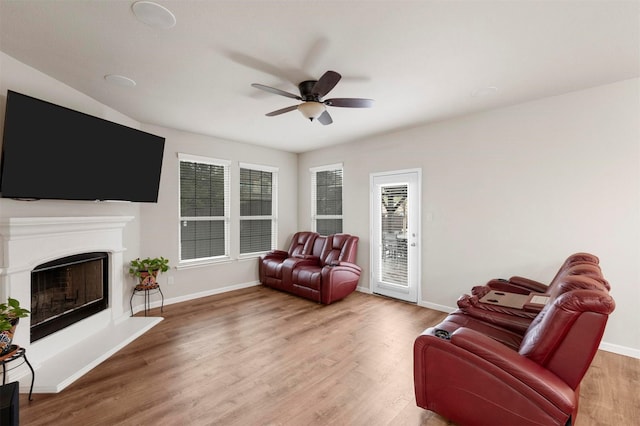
<point>260,357</point>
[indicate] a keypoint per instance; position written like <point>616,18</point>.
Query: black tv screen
<point>53,152</point>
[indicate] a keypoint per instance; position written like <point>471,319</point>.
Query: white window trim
<point>185,263</point>
<point>327,167</point>
<point>259,167</point>
<point>274,208</point>
<point>205,160</point>
<point>314,216</point>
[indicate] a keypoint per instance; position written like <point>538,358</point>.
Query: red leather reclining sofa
<point>319,268</point>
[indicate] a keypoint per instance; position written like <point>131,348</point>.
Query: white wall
<point>160,221</point>
<point>514,191</point>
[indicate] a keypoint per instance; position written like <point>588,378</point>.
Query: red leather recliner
<point>522,285</point>
<point>476,373</point>
<point>270,265</point>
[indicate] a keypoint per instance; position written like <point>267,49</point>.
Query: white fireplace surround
<point>64,356</point>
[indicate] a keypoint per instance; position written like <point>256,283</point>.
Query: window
<point>204,208</point>
<point>326,199</point>
<point>258,193</point>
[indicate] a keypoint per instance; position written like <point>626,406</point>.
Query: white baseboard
<point>364,290</point>
<point>620,350</point>
<point>210,292</point>
<point>171,301</point>
<point>436,307</point>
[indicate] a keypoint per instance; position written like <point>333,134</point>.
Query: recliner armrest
<point>514,284</point>
<point>276,254</point>
<point>342,268</point>
<point>338,280</point>
<point>529,284</point>
<point>301,260</point>
<point>502,285</point>
<point>307,257</point>
<point>505,317</point>
<point>346,265</point>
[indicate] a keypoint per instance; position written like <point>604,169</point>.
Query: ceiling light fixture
<point>311,109</point>
<point>120,80</point>
<point>153,14</point>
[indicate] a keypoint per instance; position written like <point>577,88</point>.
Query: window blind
<point>258,192</point>
<point>204,208</point>
<point>394,234</point>
<point>326,199</point>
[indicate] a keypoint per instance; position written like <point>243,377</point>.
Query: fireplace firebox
<point>67,290</point>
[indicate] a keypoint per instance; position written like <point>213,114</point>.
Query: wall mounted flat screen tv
<point>53,152</point>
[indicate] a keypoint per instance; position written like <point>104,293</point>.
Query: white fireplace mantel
<point>27,242</point>
<point>30,241</point>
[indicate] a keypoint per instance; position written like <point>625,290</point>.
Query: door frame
<point>414,267</point>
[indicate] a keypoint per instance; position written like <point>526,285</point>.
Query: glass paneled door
<point>395,212</point>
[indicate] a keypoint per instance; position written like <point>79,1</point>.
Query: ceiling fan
<point>311,93</point>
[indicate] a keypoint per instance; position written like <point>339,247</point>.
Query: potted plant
<point>10,314</point>
<point>147,269</point>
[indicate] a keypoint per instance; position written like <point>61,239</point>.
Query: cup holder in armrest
<point>443,334</point>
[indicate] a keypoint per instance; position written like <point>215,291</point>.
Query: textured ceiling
<point>421,61</point>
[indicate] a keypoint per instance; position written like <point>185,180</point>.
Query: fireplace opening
<point>67,290</point>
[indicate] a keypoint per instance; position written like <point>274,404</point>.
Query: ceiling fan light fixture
<point>311,109</point>
<point>311,94</point>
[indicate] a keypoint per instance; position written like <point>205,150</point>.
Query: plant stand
<point>147,289</point>
<point>16,352</point>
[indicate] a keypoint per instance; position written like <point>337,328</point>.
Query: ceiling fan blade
<point>349,102</point>
<point>327,82</point>
<point>276,91</point>
<point>325,118</point>
<point>282,111</point>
